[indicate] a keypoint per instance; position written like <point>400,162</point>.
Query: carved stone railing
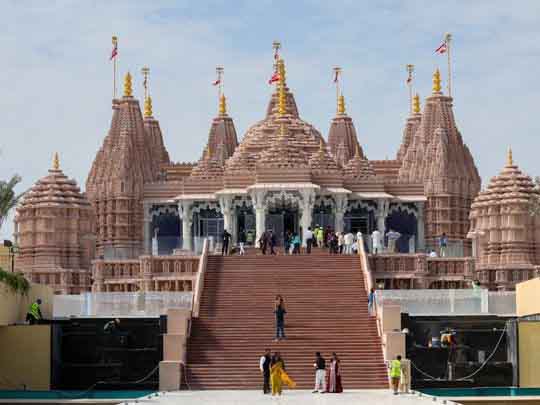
<point>421,266</point>
<point>199,283</point>
<point>147,273</point>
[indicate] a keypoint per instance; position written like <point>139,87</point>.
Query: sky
<point>56,77</point>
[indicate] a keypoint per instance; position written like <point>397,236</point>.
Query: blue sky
<point>56,79</point>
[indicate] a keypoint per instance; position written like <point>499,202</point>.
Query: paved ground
<point>296,397</point>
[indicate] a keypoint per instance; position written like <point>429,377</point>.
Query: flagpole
<point>145,72</point>
<point>410,70</point>
<point>447,40</point>
<point>115,44</point>
<point>276,45</point>
<point>337,72</point>
<point>219,72</point>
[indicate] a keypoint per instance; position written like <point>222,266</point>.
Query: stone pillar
<point>147,228</point>
<point>420,226</point>
<point>185,211</point>
<point>341,207</point>
<point>225,203</point>
<point>260,214</point>
<point>308,200</point>
<point>381,214</point>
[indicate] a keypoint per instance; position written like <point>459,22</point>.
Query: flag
<point>216,82</point>
<point>275,78</point>
<point>276,54</point>
<point>441,49</point>
<point>409,79</point>
<point>145,82</point>
<point>336,76</point>
<point>114,52</point>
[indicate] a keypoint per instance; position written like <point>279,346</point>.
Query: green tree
<point>534,207</point>
<point>8,198</point>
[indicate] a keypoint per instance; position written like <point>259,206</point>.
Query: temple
<point>283,175</point>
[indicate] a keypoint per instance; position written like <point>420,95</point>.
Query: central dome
<point>261,136</point>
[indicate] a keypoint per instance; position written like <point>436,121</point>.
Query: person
<point>278,375</point>
<point>308,237</point>
<point>376,241</point>
<point>264,365</point>
<point>395,373</point>
<point>287,242</point>
<point>476,285</point>
<point>349,241</point>
<point>34,316</point>
<point>443,243</point>
<point>405,380</point>
<point>249,238</point>
<point>392,236</point>
<point>263,242</point>
<point>320,373</point>
<point>296,244</point>
<point>320,236</point>
<point>112,326</point>
<point>332,243</point>
<point>340,242</point>
<point>333,378</point>
<point>242,242</point>
<point>272,241</point>
<point>226,237</point>
<point>280,312</point>
<point>372,301</point>
<point>432,253</point>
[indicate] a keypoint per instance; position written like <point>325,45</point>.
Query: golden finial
<point>208,152</point>
<point>128,90</point>
<point>437,81</point>
<point>341,104</point>
<point>282,96</point>
<point>148,107</point>
<point>509,159</point>
<point>416,103</point>
<point>222,105</point>
<point>56,161</point>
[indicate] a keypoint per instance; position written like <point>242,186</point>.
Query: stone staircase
<point>327,311</point>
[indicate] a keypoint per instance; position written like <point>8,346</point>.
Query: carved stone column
<point>225,203</point>
<point>147,228</point>
<point>185,211</point>
<point>341,207</point>
<point>306,204</point>
<point>260,214</point>
<point>381,214</point>
<point>420,226</point>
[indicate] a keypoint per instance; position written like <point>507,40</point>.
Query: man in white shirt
<point>264,366</point>
<point>376,241</point>
<point>308,237</point>
<point>349,240</point>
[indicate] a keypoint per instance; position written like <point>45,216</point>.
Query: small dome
<point>358,167</point>
<point>321,160</point>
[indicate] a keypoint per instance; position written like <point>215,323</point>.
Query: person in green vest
<point>33,315</point>
<point>395,373</point>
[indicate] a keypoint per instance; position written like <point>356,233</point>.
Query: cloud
<point>56,82</point>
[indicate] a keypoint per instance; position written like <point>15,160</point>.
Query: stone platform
<point>296,397</point>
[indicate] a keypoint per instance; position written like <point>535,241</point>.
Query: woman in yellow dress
<point>278,376</point>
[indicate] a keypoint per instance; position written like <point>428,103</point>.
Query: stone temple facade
<point>285,176</point>
<point>54,230</point>
<point>505,235</point>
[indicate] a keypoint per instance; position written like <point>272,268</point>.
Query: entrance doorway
<point>281,222</point>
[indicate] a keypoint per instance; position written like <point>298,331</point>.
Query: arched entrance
<point>403,220</point>
<point>323,214</point>
<point>282,215</point>
<point>208,223</point>
<point>166,225</point>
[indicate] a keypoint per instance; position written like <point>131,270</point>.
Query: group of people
<point>272,367</point>
<point>377,241</point>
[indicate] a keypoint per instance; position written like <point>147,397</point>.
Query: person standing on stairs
<point>272,241</point>
<point>320,374</point>
<point>226,237</point>
<point>263,242</point>
<point>242,242</point>
<point>372,302</point>
<point>279,311</point>
<point>308,237</point>
<point>264,365</point>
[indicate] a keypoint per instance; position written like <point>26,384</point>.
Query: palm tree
<point>8,198</point>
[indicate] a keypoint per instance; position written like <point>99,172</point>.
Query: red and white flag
<point>216,82</point>
<point>275,78</point>
<point>442,48</point>
<point>114,52</point>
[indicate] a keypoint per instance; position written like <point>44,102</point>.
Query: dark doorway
<point>405,223</point>
<point>281,222</point>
